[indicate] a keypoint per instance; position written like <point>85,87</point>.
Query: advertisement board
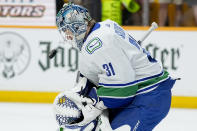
<point>25,65</point>
<point>28,12</point>
<point>176,51</point>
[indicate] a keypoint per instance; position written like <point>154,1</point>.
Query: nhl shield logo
<point>14,54</point>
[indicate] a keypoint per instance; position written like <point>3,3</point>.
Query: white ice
<point>40,117</point>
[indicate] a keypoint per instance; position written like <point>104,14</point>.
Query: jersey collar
<point>96,26</point>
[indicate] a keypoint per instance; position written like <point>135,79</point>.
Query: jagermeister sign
<point>169,57</point>
<point>65,58</point>
<point>25,65</point>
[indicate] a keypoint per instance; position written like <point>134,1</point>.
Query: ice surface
<point>40,117</point>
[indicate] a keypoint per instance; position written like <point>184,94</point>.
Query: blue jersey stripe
<point>115,102</point>
<point>152,86</point>
<point>144,90</point>
<point>133,82</point>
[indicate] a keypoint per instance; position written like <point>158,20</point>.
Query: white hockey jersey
<point>118,65</point>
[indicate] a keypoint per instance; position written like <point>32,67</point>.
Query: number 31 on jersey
<point>109,69</point>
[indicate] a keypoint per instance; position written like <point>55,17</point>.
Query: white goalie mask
<point>72,21</point>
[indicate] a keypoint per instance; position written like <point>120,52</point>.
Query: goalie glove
<point>68,108</point>
<point>74,109</point>
<point>91,112</point>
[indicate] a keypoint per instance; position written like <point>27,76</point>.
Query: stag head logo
<point>14,54</point>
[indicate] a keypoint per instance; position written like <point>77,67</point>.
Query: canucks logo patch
<point>93,45</point>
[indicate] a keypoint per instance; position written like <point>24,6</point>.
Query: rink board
<point>48,97</point>
<point>41,79</point>
<point>28,12</point>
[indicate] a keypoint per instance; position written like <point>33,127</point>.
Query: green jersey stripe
<point>144,84</point>
<point>130,90</point>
